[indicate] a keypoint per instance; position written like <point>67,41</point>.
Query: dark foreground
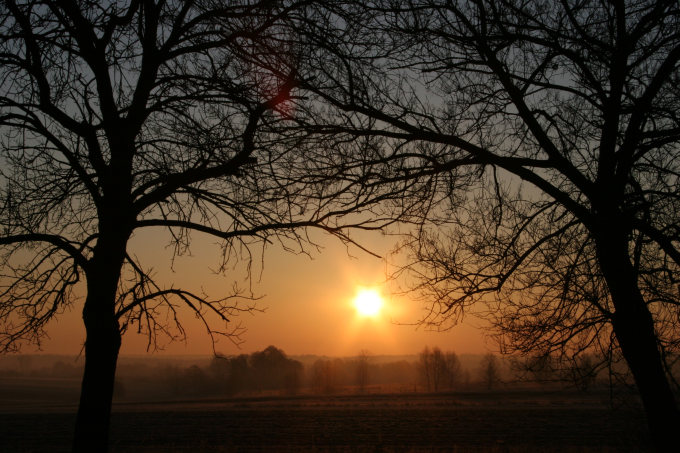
<point>503,421</point>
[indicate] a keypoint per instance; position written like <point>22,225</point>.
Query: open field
<point>498,421</point>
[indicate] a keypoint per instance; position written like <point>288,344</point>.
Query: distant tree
<point>490,371</point>
<point>466,378</point>
<point>438,374</point>
<point>194,381</point>
<point>24,362</point>
<point>123,116</point>
<point>544,139</point>
<point>537,367</point>
<point>271,369</point>
<point>292,377</point>
<point>402,372</point>
<point>325,375</point>
<point>239,374</point>
<point>425,368</point>
<point>454,370</point>
<point>219,370</point>
<point>362,371</point>
<point>583,371</point>
<point>439,370</point>
<point>266,367</point>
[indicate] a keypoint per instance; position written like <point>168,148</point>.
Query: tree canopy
<point>123,116</point>
<point>544,136</point>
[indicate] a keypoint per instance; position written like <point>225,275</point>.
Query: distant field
<point>500,421</point>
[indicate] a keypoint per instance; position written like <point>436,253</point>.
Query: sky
<point>308,304</point>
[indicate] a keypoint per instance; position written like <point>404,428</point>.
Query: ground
<point>496,421</point>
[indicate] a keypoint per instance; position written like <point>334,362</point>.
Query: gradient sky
<point>308,304</point>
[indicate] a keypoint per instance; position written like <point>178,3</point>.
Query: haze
<point>307,302</point>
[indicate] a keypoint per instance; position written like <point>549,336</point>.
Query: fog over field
<point>271,372</point>
<point>267,401</point>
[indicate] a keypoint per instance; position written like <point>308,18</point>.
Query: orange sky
<point>308,304</point>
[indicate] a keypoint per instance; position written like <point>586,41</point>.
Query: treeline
<point>268,371</point>
<point>272,372</point>
<point>583,371</point>
<point>360,374</point>
<point>260,371</point>
<point>441,370</point>
<point>37,366</point>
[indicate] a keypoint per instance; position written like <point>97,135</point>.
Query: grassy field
<point>497,421</point>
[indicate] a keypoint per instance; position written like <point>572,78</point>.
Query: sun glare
<point>368,302</point>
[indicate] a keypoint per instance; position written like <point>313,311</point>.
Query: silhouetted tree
<point>544,136</point>
<point>118,117</point>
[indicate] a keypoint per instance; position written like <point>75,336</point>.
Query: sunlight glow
<point>368,302</point>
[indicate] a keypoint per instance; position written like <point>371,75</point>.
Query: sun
<point>368,302</point>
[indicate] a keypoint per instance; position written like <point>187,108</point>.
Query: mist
<point>29,380</point>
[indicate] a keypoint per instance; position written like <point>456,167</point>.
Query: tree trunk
<point>101,354</point>
<point>634,329</point>
<point>94,410</point>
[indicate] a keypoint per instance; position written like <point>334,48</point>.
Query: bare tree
<point>489,371</point>
<point>439,370</point>
<point>122,116</point>
<point>583,371</point>
<point>326,375</point>
<point>362,370</point>
<point>545,137</point>
<point>425,368</point>
<point>537,367</point>
<point>454,370</point>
